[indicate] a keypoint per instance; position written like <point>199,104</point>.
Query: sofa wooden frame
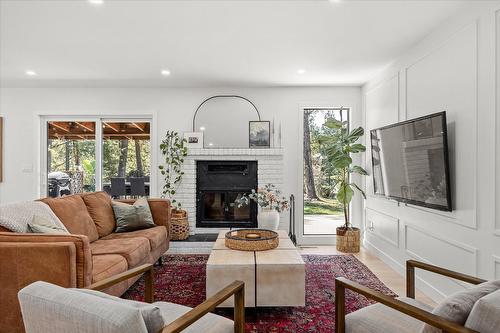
<point>341,284</point>
<point>237,288</point>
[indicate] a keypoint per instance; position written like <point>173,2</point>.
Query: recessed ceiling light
<point>336,1</point>
<point>30,72</point>
<point>96,2</point>
<point>165,72</point>
<point>301,71</point>
<point>210,144</point>
<point>202,128</point>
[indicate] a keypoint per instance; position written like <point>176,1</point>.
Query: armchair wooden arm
<point>341,284</point>
<point>410,275</point>
<point>237,288</point>
<point>148,290</point>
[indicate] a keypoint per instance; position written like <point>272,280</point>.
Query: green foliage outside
<point>82,153</point>
<point>322,207</point>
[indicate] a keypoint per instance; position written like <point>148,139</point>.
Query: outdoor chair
<point>473,310</point>
<point>47,308</point>
<point>137,188</point>
<point>118,188</point>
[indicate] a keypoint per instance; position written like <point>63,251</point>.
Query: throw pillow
<point>485,315</point>
<point>458,306</point>
<point>132,217</point>
<point>150,314</point>
<point>17,216</point>
<point>42,225</point>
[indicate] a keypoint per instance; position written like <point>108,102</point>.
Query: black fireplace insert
<point>219,185</point>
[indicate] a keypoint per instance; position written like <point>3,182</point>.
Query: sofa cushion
<point>48,308</point>
<point>156,235</point>
<point>485,315</point>
<point>132,217</point>
<point>378,318</point>
<point>99,208</point>
<point>209,323</point>
<point>457,307</point>
<point>134,250</point>
<point>72,212</point>
<point>151,314</point>
<point>106,265</point>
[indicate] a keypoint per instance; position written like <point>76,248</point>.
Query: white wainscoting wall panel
<point>455,69</point>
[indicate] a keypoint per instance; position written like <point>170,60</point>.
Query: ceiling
<point>209,43</point>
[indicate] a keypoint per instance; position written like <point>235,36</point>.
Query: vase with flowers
<point>271,204</point>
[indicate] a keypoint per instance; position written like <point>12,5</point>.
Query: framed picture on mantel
<point>259,134</point>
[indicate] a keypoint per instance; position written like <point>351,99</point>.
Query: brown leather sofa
<point>90,254</point>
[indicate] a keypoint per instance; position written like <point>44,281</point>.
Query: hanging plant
<point>174,150</point>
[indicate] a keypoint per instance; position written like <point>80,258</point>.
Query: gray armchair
<point>473,310</point>
<point>49,308</point>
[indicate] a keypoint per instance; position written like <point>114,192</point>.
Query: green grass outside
<point>322,207</point>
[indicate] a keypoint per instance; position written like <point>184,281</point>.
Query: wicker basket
<point>348,240</point>
<point>252,240</point>
<point>179,225</point>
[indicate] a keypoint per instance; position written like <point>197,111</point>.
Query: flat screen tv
<point>410,162</point>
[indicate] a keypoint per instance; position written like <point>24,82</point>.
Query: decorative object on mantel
<point>194,139</point>
<point>224,121</point>
<point>252,239</point>
<point>271,204</point>
<point>259,134</point>
<point>1,150</point>
<point>340,145</point>
<point>174,150</point>
<point>179,225</point>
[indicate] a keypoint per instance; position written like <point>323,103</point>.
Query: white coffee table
<point>272,278</point>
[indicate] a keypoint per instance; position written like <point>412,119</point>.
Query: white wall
<point>174,109</point>
<point>453,69</point>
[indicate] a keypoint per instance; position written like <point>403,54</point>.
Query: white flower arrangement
<point>267,197</point>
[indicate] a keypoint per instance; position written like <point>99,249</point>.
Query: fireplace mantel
<point>270,170</point>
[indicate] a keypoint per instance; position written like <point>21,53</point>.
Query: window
<point>85,155</point>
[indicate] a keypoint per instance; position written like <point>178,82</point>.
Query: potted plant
<point>174,150</point>
<point>271,203</point>
<point>339,146</point>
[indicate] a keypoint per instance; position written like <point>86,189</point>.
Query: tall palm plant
<point>340,145</point>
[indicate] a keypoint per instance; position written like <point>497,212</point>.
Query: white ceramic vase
<point>268,219</point>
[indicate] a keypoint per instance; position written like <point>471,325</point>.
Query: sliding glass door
<point>90,154</point>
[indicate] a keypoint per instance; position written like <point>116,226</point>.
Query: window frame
<point>42,163</point>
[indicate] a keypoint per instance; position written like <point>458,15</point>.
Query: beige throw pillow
<point>457,307</point>
<point>42,225</point>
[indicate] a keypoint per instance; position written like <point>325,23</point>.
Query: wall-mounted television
<point>410,162</point>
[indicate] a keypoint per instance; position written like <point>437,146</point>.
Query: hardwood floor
<point>386,274</point>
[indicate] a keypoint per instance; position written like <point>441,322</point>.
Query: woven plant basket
<point>179,225</point>
<point>348,240</point>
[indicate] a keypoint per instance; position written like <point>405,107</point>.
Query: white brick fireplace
<point>269,170</point>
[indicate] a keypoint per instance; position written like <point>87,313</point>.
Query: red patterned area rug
<point>181,280</point>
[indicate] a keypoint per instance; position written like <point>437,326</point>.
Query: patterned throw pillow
<point>132,217</point>
<point>17,216</point>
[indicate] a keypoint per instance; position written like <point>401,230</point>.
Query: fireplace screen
<point>222,206</point>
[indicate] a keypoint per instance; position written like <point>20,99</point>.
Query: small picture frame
<point>259,134</point>
<point>194,139</point>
